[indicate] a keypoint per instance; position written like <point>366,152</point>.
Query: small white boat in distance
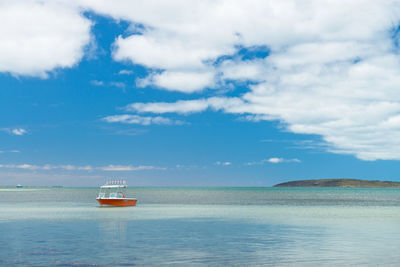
<point>113,193</point>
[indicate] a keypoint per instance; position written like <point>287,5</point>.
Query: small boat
<point>113,193</point>
<point>19,186</point>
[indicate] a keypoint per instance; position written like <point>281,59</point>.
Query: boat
<point>19,186</point>
<point>113,193</point>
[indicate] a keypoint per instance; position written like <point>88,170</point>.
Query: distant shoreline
<point>296,183</point>
<point>32,186</point>
<point>338,183</point>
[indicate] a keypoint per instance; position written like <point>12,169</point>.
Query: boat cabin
<point>110,190</point>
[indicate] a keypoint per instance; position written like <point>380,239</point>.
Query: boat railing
<point>116,182</point>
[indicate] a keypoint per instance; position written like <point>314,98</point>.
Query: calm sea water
<point>202,227</point>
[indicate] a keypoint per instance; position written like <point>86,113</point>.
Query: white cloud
<point>9,151</point>
<point>97,83</point>
<point>18,131</point>
<point>20,166</point>
<point>113,84</point>
<point>47,167</point>
<point>85,168</point>
<point>333,67</point>
<point>175,41</point>
<point>281,160</point>
<point>125,72</point>
<point>182,81</point>
<point>223,163</point>
<point>243,70</point>
<point>187,106</point>
<point>232,105</point>
<point>38,36</point>
<point>136,119</point>
<point>155,49</point>
<point>179,44</point>
<point>71,167</point>
<point>274,160</point>
<point>129,168</point>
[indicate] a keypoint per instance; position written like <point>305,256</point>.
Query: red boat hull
<point>117,202</point>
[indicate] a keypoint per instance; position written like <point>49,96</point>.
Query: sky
<point>198,93</point>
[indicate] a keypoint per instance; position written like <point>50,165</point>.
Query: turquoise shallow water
<point>202,227</point>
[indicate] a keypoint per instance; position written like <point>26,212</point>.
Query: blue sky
<point>90,92</point>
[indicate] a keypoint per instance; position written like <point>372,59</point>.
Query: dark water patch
<point>123,264</point>
<point>45,252</point>
<point>69,264</point>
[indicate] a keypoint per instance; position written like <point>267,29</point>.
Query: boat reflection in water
<point>113,193</point>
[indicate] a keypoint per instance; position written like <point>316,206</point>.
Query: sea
<point>201,227</point>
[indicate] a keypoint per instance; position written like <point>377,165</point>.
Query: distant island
<point>338,183</point>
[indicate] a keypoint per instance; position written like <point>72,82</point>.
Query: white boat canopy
<point>115,184</point>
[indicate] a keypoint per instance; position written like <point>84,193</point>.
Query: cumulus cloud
<point>332,67</point>
<point>182,81</point>
<point>18,131</point>
<point>38,36</point>
<point>136,119</point>
<point>182,46</point>
<point>249,70</point>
